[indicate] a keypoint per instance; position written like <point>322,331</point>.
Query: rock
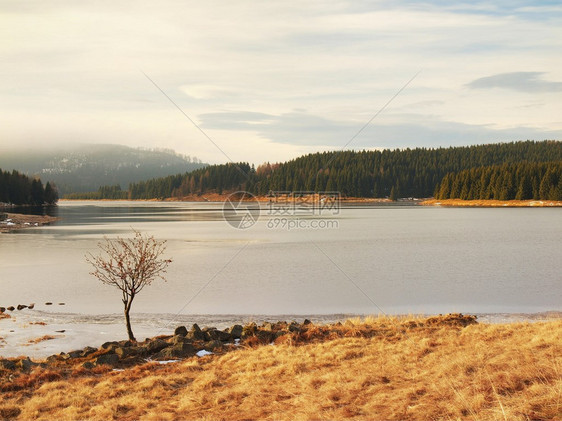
<point>109,359</point>
<point>60,331</point>
<point>306,322</point>
<point>180,330</point>
<point>7,364</point>
<point>61,304</point>
<point>267,326</point>
<point>236,331</point>
<point>249,330</point>
<point>11,308</point>
<point>2,309</point>
<point>294,327</point>
<point>211,345</point>
<point>125,343</point>
<point>123,352</point>
<point>31,306</point>
<point>88,351</point>
<point>25,364</point>
<point>88,365</point>
<point>180,350</point>
<point>64,356</point>
<point>48,303</point>
<point>213,334</point>
<point>196,333</point>
<point>156,345</point>
<point>52,358</point>
<point>21,306</point>
<point>110,345</point>
<point>178,339</point>
<point>75,354</point>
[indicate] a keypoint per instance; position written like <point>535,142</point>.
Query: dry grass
<point>422,371</point>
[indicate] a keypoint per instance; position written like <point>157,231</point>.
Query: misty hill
<point>86,167</point>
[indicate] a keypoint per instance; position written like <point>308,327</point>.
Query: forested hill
<point>86,167</point>
<point>403,173</point>
<point>518,181</point>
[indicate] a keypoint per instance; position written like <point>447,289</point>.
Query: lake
<point>358,260</point>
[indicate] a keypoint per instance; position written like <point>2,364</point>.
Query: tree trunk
<point>128,320</point>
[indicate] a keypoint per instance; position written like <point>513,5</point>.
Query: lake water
<point>371,260</point>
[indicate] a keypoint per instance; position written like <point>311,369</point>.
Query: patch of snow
<point>168,361</point>
<point>9,220</point>
<point>203,352</point>
<point>27,223</point>
<point>10,224</point>
<point>236,342</point>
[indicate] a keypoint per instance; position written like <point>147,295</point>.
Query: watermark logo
<point>302,210</point>
<point>241,210</point>
<point>303,203</point>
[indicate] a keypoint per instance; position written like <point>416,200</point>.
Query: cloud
<point>517,81</point>
<point>405,130</point>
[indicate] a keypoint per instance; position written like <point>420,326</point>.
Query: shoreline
<point>17,221</point>
<point>216,198</point>
<point>492,203</point>
<point>72,330</point>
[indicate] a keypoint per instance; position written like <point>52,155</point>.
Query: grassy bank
<point>491,203</point>
<point>372,369</point>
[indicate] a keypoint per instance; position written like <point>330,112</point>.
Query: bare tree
<point>129,264</point>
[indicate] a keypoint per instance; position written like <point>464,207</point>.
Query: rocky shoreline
<point>16,221</point>
<point>199,342</point>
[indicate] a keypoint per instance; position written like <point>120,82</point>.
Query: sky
<point>259,81</point>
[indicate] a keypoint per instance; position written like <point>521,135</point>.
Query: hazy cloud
<point>303,129</point>
<point>517,81</point>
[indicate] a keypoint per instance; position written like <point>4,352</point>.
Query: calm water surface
<point>380,259</point>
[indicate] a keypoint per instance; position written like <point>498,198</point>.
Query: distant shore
<point>17,221</point>
<point>492,203</point>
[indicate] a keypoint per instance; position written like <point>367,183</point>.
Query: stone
<point>2,309</point>
<point>196,334</point>
<point>31,306</point>
<point>180,350</point>
<point>48,303</point>
<point>88,351</point>
<point>156,345</point>
<point>88,365</point>
<point>109,359</point>
<point>249,330</point>
<point>236,331</point>
<point>125,343</point>
<point>110,345</point>
<point>11,308</point>
<point>306,322</point>
<point>123,352</point>
<point>21,306</point>
<point>25,364</point>
<point>75,354</point>
<point>178,339</point>
<point>64,356</point>
<point>213,334</point>
<point>52,358</point>
<point>267,326</point>
<point>7,364</point>
<point>211,345</point>
<point>180,330</point>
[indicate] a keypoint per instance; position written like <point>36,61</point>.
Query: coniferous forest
<point>398,173</point>
<point>521,181</point>
<point>19,189</point>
